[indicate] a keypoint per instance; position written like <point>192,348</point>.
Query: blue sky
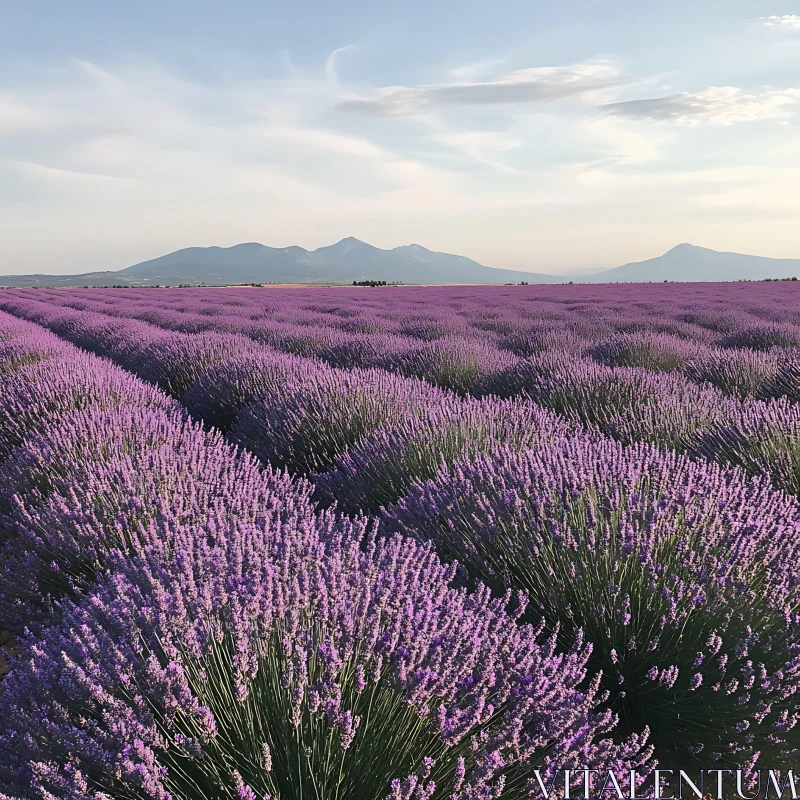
<point>525,135</point>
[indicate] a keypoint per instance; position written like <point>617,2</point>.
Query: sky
<point>524,135</point>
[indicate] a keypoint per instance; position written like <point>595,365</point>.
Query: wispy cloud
<point>57,175</point>
<point>330,64</point>
<point>18,117</point>
<point>470,72</point>
<point>534,85</point>
<point>326,141</point>
<point>619,145</point>
<point>482,147</point>
<point>786,21</point>
<point>717,105</point>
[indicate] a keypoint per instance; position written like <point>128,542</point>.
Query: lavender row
<point>363,436</point>
<point>196,628</point>
<point>757,317</point>
<point>90,458</point>
<point>745,351</point>
<point>630,404</point>
<point>681,574</point>
<point>461,351</point>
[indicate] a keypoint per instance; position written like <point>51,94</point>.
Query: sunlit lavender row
<point>395,543</point>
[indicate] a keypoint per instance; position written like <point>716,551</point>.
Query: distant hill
<point>352,260</point>
<point>686,262</point>
<point>344,262</point>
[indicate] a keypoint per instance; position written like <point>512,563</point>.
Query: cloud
<point>109,150</point>
<point>323,140</point>
<point>772,189</point>
<point>330,64</point>
<point>483,147</point>
<point>16,117</point>
<point>534,85</point>
<point>469,72</point>
<point>57,175</point>
<point>618,144</point>
<point>717,105</point>
<point>786,22</point>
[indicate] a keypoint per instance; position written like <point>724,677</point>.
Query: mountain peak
<point>243,246</point>
<point>415,247</point>
<point>688,262</point>
<point>684,247</point>
<point>346,245</point>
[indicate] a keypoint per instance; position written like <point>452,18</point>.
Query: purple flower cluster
<point>306,422</point>
<point>93,458</point>
<point>34,394</point>
<point>285,660</point>
<point>654,351</point>
<point>742,373</point>
<point>221,393</point>
<point>451,362</point>
<point>381,468</point>
<point>681,574</point>
<point>764,438</point>
<point>631,404</point>
<point>786,380</point>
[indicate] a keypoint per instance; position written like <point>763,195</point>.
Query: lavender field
<point>396,542</point>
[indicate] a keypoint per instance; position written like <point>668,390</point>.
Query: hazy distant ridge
<point>352,260</point>
<point>344,262</point>
<point>686,262</point>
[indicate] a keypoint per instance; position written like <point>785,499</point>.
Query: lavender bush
<point>653,351</point>
<point>305,660</point>
<point>743,373</point>
<point>763,337</point>
<point>367,350</point>
<point>177,363</point>
<point>680,574</point>
<point>785,382</point>
<point>220,394</point>
<point>33,394</point>
<point>543,338</point>
<point>120,340</point>
<point>452,363</point>
<point>628,403</point>
<point>305,424</point>
<point>295,339</point>
<point>764,439</point>
<point>381,468</point>
<point>88,478</point>
<point>18,352</point>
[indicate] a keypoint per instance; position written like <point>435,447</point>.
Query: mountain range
<point>352,260</point>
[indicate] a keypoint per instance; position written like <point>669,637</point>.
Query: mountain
<point>344,262</point>
<point>686,262</point>
<point>352,260</point>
